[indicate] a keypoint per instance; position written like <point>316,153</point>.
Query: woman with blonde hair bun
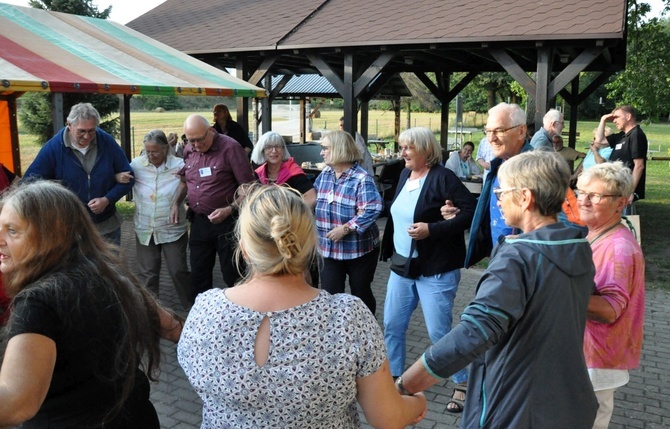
<point>276,352</point>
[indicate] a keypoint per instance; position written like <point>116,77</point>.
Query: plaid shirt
<point>351,200</point>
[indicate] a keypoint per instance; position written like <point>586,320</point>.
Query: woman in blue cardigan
<point>426,251</point>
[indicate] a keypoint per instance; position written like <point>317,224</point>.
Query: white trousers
<point>605,408</point>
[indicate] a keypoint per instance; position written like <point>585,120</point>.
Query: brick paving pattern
<point>643,403</point>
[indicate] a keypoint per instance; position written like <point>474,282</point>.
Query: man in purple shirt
<point>215,165</point>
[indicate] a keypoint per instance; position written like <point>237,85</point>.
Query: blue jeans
<point>437,300</point>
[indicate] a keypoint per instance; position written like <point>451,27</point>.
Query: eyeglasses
<point>277,147</point>
<point>498,192</point>
<point>499,132</point>
<point>325,147</point>
<point>593,197</point>
<point>199,139</point>
<point>82,133</point>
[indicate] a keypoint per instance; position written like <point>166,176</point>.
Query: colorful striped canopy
<point>47,51</point>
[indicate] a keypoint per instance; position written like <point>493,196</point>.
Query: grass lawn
<point>654,210</point>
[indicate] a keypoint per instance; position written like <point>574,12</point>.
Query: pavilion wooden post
<point>443,93</point>
<point>541,83</point>
<point>544,90</point>
<point>574,98</point>
<point>350,87</point>
<point>444,82</point>
<point>396,122</point>
<point>303,114</point>
<point>266,107</point>
<point>365,115</point>
<point>350,116</point>
<point>574,104</point>
<point>242,70</point>
<point>124,117</point>
<point>57,113</point>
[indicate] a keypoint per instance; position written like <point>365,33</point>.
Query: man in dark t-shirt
<point>628,146</point>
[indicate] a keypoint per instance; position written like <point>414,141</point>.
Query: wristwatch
<point>401,388</point>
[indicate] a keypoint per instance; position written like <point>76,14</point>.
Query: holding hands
<point>448,210</point>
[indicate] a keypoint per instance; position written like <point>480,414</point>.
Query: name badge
<point>413,185</point>
<point>619,146</point>
<point>205,172</point>
<point>330,197</point>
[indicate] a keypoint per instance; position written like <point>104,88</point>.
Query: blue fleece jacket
<point>55,161</point>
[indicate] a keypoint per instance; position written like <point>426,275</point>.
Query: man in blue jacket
<point>86,160</point>
<point>506,131</point>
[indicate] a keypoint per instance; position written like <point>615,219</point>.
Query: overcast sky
<point>122,12</point>
<point>125,11</point>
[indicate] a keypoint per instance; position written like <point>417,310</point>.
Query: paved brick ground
<point>643,403</point>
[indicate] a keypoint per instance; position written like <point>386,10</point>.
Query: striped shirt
<point>351,200</point>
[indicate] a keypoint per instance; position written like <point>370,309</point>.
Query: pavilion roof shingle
<point>207,26</point>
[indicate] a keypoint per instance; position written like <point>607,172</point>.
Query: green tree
<point>36,108</point>
<point>422,100</point>
<point>645,84</point>
<point>77,7</point>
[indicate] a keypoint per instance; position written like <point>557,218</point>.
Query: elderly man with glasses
<point>88,161</point>
<point>215,166</point>
<point>506,131</point>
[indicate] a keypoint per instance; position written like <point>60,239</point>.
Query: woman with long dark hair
<point>81,326</point>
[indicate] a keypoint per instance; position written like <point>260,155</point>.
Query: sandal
<point>456,405</point>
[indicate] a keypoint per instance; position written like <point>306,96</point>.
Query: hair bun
<point>286,241</point>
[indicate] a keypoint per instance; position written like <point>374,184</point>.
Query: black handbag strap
<point>408,262</point>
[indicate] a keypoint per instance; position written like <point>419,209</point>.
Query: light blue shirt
<point>402,212</point>
<point>498,225</point>
<point>542,139</point>
<point>590,158</point>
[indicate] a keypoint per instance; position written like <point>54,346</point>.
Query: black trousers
<point>361,272</point>
<point>206,240</point>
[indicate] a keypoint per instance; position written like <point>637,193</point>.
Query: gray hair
<point>83,111</point>
<point>545,173</point>
<point>514,113</point>
<point>424,143</point>
<point>552,115</point>
<point>156,136</point>
<point>270,138</point>
<point>617,177</point>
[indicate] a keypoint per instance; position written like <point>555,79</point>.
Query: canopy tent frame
<point>53,52</point>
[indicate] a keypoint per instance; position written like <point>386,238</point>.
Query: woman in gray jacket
<point>523,332</point>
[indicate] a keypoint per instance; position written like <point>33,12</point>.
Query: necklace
<point>272,175</point>
<point>604,232</point>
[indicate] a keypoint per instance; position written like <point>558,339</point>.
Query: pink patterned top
<point>620,280</point>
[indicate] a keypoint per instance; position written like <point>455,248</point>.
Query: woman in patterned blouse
<point>275,352</point>
<point>615,324</point>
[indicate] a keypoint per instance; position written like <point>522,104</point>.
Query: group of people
<point>275,351</point>
<point>541,272</point>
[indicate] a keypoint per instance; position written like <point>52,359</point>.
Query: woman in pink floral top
<point>614,330</point>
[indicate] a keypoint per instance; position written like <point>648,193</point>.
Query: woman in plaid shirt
<point>347,206</point>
